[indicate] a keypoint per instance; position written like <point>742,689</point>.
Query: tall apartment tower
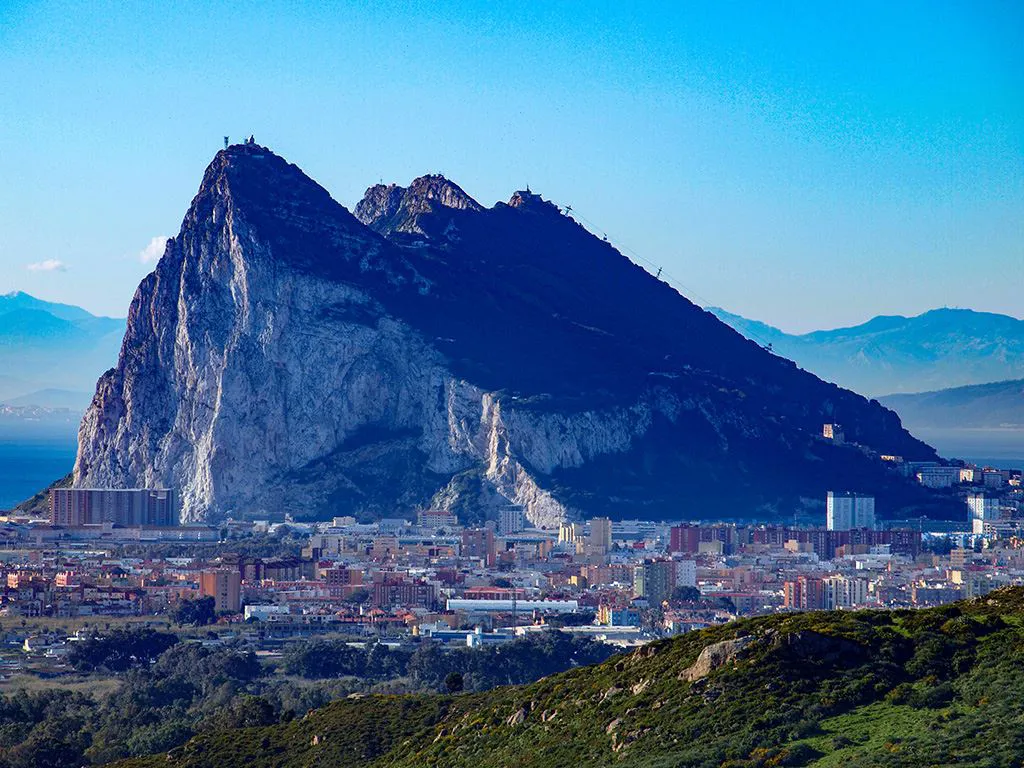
<point>479,543</point>
<point>846,511</point>
<point>600,539</point>
<point>224,585</point>
<point>980,510</point>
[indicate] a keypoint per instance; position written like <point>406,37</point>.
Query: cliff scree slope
<point>287,355</point>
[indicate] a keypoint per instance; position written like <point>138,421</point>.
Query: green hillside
<point>935,687</point>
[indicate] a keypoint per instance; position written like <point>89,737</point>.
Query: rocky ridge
<point>288,355</point>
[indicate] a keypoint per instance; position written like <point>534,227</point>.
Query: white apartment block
<point>981,509</point>
<point>846,511</point>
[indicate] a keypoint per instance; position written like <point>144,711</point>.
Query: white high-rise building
<point>981,509</point>
<point>845,511</point>
<point>686,573</point>
<point>844,592</point>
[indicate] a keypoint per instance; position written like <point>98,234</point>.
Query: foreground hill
<point>47,347</point>
<point>935,687</point>
<point>940,349</point>
<point>289,356</point>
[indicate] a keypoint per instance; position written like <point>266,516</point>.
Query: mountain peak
<point>273,200</point>
<point>524,197</point>
<point>394,209</point>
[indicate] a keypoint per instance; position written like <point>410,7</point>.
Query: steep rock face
<point>286,355</point>
<point>394,210</point>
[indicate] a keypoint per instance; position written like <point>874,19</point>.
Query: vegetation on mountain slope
<point>907,688</point>
<point>136,691</point>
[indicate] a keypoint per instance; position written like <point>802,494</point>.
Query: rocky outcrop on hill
<point>286,355</point>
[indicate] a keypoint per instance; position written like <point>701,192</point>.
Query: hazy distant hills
<point>999,405</point>
<point>937,350</point>
<point>52,354</point>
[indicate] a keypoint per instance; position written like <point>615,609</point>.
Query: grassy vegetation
<point>129,691</point>
<point>909,688</point>
<point>99,687</point>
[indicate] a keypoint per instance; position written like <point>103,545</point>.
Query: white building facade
<point>846,511</point>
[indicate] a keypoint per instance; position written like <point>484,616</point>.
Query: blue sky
<point>807,166</point>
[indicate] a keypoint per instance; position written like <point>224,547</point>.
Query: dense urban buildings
<point>433,576</point>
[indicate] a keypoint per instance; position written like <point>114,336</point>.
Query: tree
<point>685,595</point>
<point>246,711</point>
<point>197,613</point>
<point>453,682</point>
<point>120,650</point>
<point>725,603</point>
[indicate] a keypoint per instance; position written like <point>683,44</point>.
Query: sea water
<point>31,457</point>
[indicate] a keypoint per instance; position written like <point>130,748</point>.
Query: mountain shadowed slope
<point>937,687</point>
<point>939,349</point>
<point>287,355</point>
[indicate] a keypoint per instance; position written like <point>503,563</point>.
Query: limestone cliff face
<point>286,355</point>
<point>241,372</point>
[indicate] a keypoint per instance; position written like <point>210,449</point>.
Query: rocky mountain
<point>934,687</point>
<point>939,349</point>
<point>286,355</point>
<point>999,405</point>
<point>45,347</point>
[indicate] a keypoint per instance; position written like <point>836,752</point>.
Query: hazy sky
<point>809,165</point>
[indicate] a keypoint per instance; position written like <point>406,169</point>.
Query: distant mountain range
<point>999,405</point>
<point>889,354</point>
<point>52,354</point>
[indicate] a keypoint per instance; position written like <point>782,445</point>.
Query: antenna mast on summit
<point>226,141</point>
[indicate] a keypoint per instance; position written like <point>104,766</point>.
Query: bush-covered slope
<point>933,687</point>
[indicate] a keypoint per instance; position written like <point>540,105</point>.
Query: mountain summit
<point>286,355</point>
<point>391,209</point>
